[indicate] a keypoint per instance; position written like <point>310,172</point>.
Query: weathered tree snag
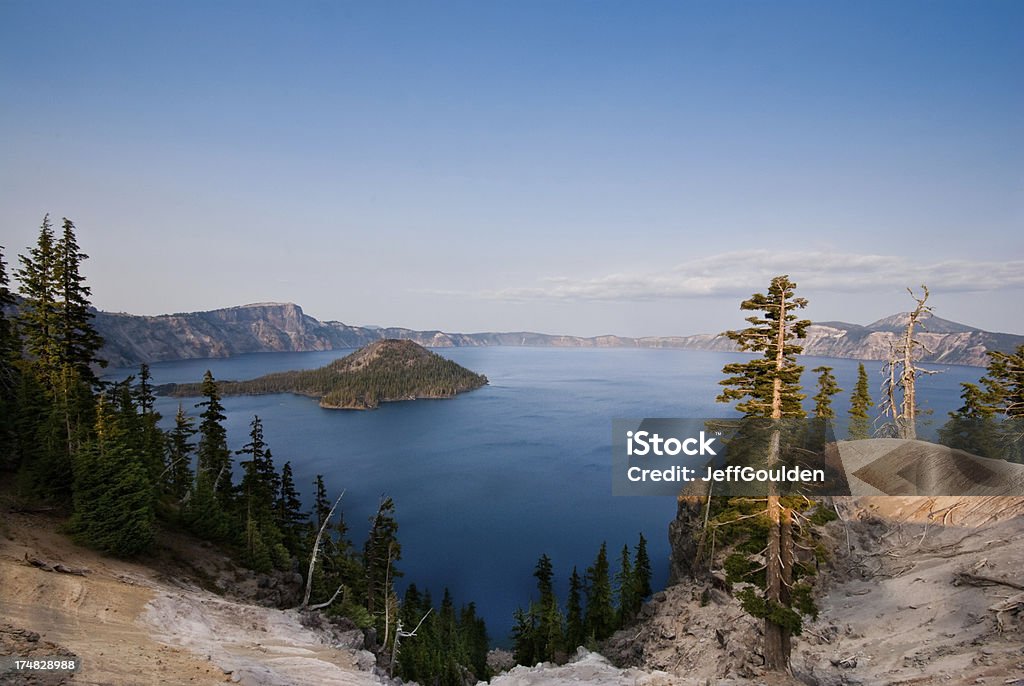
<point>312,560</point>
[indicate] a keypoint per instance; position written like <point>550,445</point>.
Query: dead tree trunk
<point>910,372</point>
<point>903,373</point>
<point>313,556</point>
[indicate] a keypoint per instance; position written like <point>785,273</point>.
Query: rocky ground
<point>921,591</point>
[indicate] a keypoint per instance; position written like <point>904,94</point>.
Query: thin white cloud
<point>743,272</point>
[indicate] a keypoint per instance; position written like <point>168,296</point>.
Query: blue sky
<point>572,167</point>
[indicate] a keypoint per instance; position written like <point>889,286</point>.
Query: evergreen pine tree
<point>860,404</point>
<point>453,656</point>
<point>475,642</point>
<point>39,312</point>
<point>642,570</point>
<point>321,505</point>
<point>79,341</point>
<point>214,458</point>
<point>153,440</point>
<point>62,348</point>
<point>113,499</point>
<point>823,412</point>
<point>524,637</point>
<point>769,387</point>
<point>10,354</point>
<point>599,619</point>
<point>973,427</point>
<point>1004,381</point>
<point>289,515</point>
<point>625,581</point>
<point>549,636</point>
<point>258,491</point>
<point>209,503</point>
<point>827,387</point>
<point>575,629</point>
<point>178,469</point>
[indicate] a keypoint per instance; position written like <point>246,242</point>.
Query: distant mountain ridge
<point>284,327</point>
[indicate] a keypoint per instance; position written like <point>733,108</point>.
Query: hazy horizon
<point>494,330</point>
<point>578,168</point>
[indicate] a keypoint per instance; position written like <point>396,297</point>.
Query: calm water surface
<point>486,482</point>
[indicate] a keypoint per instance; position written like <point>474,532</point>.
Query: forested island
<point>384,371</point>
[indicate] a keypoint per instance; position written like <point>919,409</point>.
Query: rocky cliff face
<point>284,327</point>
<point>264,327</point>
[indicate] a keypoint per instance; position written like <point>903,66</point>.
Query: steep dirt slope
<point>131,624</point>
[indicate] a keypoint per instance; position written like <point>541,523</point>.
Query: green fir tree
<point>642,569</point>
<point>575,628</point>
<point>214,458</point>
<point>860,406</point>
<point>113,497</point>
<point>10,356</point>
<point>599,619</point>
<point>180,449</point>
<point>625,582</point>
<point>769,387</point>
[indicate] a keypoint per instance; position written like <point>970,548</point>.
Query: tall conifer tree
<point>860,404</point>
<point>550,637</point>
<point>79,341</point>
<point>153,440</point>
<point>39,312</point>
<point>180,448</point>
<point>214,458</point>
<point>1005,382</point>
<point>10,353</point>
<point>625,580</point>
<point>827,387</point>
<point>642,569</point>
<point>258,491</point>
<point>575,629</point>
<point>62,346</point>
<point>289,515</point>
<point>113,496</point>
<point>600,613</point>
<point>769,387</point>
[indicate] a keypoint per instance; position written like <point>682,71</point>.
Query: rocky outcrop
<point>284,327</point>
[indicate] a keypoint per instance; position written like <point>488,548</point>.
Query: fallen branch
<point>320,606</point>
<point>55,567</point>
<point>1014,605</point>
<point>26,509</point>
<point>981,580</point>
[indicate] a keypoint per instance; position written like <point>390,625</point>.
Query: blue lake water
<point>486,482</point>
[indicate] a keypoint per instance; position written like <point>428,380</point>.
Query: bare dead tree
<point>399,635</point>
<point>312,562</point>
<point>902,374</point>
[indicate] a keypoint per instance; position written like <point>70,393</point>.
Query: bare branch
<point>316,550</point>
<point>320,606</point>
